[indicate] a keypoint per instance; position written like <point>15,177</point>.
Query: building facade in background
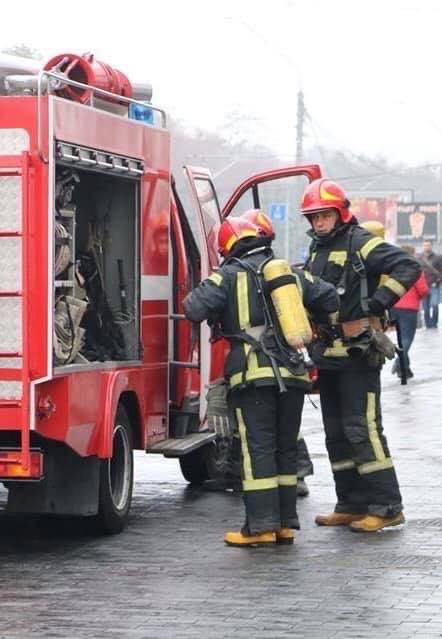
<point>380,209</point>
<point>419,221</point>
<point>405,222</point>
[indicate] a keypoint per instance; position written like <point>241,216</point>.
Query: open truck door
<point>249,192</point>
<point>190,439</point>
<point>278,193</point>
<point>208,219</point>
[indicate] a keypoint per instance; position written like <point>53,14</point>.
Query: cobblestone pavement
<point>170,575</point>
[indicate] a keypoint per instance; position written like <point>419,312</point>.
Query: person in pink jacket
<point>405,312</point>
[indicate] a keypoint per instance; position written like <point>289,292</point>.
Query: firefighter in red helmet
<point>267,380</point>
<point>304,462</point>
<point>350,357</point>
<point>261,221</point>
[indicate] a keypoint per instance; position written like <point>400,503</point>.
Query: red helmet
<point>232,230</point>
<point>260,220</point>
<point>326,194</point>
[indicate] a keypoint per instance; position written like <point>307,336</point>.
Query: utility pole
<point>298,238</point>
<point>300,127</point>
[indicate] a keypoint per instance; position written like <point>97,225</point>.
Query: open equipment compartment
<point>96,262</point>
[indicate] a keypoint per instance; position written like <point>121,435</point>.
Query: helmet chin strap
<point>337,227</point>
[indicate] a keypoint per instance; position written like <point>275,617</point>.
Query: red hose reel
<point>87,70</point>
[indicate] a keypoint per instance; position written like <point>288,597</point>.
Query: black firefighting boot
<point>338,519</point>
<point>302,488</point>
<point>373,523</point>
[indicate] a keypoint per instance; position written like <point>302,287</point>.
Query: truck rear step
<point>179,446</point>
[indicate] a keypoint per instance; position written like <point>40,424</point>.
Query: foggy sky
<point>368,69</point>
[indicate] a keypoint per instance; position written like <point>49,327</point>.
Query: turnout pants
<point>268,425</point>
<point>363,471</point>
<point>304,461</point>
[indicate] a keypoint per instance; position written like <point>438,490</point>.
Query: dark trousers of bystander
<point>431,308</point>
<point>407,320</point>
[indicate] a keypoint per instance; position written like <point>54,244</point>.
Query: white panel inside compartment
<point>11,390</point>
<point>10,264</point>
<point>10,325</point>
<point>13,141</point>
<point>10,203</point>
<point>11,362</point>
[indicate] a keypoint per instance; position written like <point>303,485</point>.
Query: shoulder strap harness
<point>270,342</point>
<point>358,266</point>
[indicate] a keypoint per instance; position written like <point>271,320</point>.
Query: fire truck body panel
<point>147,383</point>
<point>87,402</point>
<point>208,215</point>
<point>73,123</point>
<point>24,194</point>
<point>185,273</point>
<point>86,126</point>
<point>75,404</point>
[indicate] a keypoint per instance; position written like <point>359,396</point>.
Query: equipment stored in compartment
<point>95,267</point>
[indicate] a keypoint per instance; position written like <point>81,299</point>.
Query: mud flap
<point>70,485</point>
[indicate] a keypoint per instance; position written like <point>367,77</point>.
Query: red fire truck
<point>97,254</point>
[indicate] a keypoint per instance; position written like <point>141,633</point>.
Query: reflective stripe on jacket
<point>329,258</point>
<point>390,272</point>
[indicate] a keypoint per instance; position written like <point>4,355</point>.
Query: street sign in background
<point>278,211</point>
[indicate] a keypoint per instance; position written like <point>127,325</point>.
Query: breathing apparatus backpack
<point>286,324</point>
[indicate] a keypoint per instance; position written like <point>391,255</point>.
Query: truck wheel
<point>193,466</point>
<point>218,459</point>
<point>116,478</point>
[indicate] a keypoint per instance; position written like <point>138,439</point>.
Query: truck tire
<point>194,467</point>
<point>218,459</point>
<point>210,462</point>
<point>116,478</point>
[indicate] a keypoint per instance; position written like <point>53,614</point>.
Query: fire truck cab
<point>97,255</point>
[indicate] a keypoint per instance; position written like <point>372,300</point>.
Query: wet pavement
<point>170,575</point>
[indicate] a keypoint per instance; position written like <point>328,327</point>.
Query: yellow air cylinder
<point>375,228</point>
<point>287,302</point>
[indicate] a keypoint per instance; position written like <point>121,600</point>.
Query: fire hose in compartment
<point>62,250</point>
<point>68,336</point>
<point>95,268</point>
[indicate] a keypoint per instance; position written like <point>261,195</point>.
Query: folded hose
<point>68,336</point>
<point>62,250</point>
